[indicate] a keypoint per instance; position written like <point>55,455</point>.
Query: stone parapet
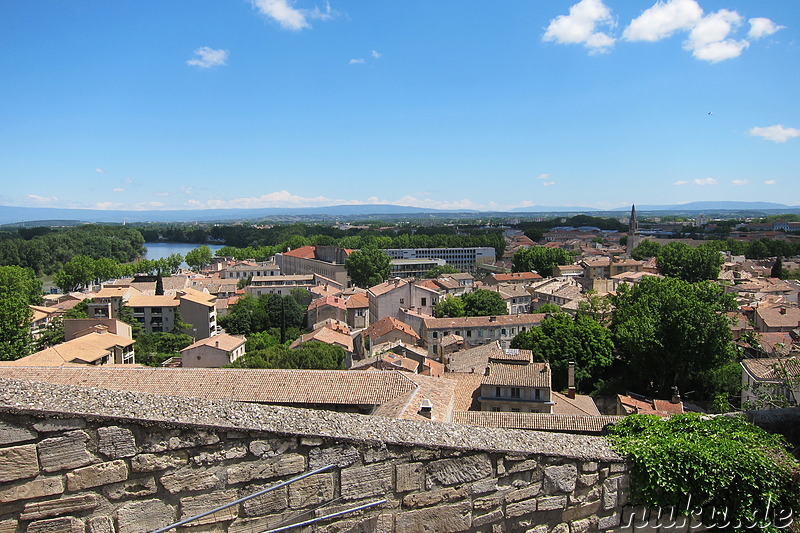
<point>75,459</point>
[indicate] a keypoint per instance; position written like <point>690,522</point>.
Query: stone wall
<point>84,460</point>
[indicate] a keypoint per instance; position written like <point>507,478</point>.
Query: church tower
<point>633,232</point>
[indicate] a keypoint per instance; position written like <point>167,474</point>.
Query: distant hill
<point>13,215</point>
<point>48,216</point>
<point>711,206</point>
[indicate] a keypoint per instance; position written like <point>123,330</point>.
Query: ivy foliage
<point>707,466</point>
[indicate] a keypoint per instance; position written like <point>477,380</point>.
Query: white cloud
<point>376,54</point>
<point>162,194</point>
<point>42,199</point>
<point>100,170</point>
<point>548,183</point>
<point>119,189</point>
<point>356,61</point>
<point>289,17</point>
<point>762,27</point>
<point>770,182</point>
<point>147,205</point>
<point>708,39</point>
<point>663,19</point>
<point>108,205</point>
<point>739,182</point>
<point>681,182</point>
<point>543,176</point>
<point>777,133</point>
<point>206,57</point>
<point>704,181</point>
<point>580,26</point>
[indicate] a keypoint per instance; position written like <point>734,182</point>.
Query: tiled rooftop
<point>518,375</point>
<point>536,421</point>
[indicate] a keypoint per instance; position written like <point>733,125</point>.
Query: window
<point>515,409</point>
<point>480,333</point>
<point>515,392</point>
<point>155,310</point>
<point>536,394</point>
<point>503,331</point>
<point>469,333</point>
<point>435,335</point>
<point>402,301</point>
<point>424,302</point>
<point>496,409</point>
<point>497,391</point>
<point>435,349</point>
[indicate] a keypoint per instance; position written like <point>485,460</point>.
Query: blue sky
<point>444,104</point>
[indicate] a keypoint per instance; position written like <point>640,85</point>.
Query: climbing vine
<point>722,470</point>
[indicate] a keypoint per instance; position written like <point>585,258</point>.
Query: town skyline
<point>262,104</point>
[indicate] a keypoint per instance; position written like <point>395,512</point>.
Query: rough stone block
<point>66,452</point>
<point>148,462</point>
<point>65,524</point>
<point>561,528</point>
<point>523,466</point>
<point>488,518</point>
<point>618,468</point>
<point>133,488</point>
<point>587,480</point>
<point>373,454</point>
<point>359,482</point>
<point>12,434</point>
<point>580,526</point>
<point>252,525</point>
<point>226,454</point>
<point>144,516</point>
<point>609,497</point>
<point>487,503</point>
<point>37,488</point>
<point>311,441</point>
<point>272,447</point>
<point>272,502</point>
<point>541,528</point>
<point>552,503</point>
<point>52,425</point>
<point>18,462</point>
<point>522,508</point>
<point>341,456</point>
<point>96,475</point>
<point>62,506</point>
<point>190,480</point>
<point>101,524</point>
<point>194,505</point>
<point>158,442</point>
<point>440,519</point>
<point>435,497</point>
<point>610,521</point>
<point>581,511</point>
<point>524,493</point>
<point>410,476</point>
<point>460,469</point>
<point>312,490</point>
<point>291,463</point>
<point>560,478</point>
<point>485,485</point>
<point>116,442</point>
<point>589,467</point>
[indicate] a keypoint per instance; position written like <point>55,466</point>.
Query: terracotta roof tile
<point>536,421</point>
<point>484,321</point>
<point>518,375</point>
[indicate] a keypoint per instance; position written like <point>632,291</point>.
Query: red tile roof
<point>304,252</point>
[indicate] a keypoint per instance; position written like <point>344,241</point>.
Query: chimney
<point>492,319</point>
<point>217,344</point>
<point>783,310</point>
<point>426,408</point>
<point>571,381</point>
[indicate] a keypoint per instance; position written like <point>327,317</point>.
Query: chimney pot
<point>426,408</point>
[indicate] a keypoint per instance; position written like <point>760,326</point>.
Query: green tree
<point>679,260</point>
<point>561,339</point>
<point>540,259</point>
<point>367,267</point>
<point>79,272</point>
<point>450,307</point>
<point>548,308</point>
<point>483,302</point>
<point>311,355</point>
<point>441,270</point>
<point>17,291</point>
<point>152,349</point>
<point>52,334</point>
<point>199,258</point>
<point>105,269</point>
<point>673,333</point>
<point>646,249</point>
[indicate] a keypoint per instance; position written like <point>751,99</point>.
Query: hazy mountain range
<point>33,215</point>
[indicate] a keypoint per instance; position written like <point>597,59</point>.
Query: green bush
<point>711,464</point>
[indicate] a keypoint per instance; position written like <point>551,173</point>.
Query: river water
<point>157,250</point>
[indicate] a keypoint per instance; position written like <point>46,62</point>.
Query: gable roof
<point>357,301</point>
<point>304,252</point>
<point>82,350</point>
<point>331,301</point>
<point>518,375</point>
<point>221,341</point>
<point>484,321</point>
<point>385,326</point>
